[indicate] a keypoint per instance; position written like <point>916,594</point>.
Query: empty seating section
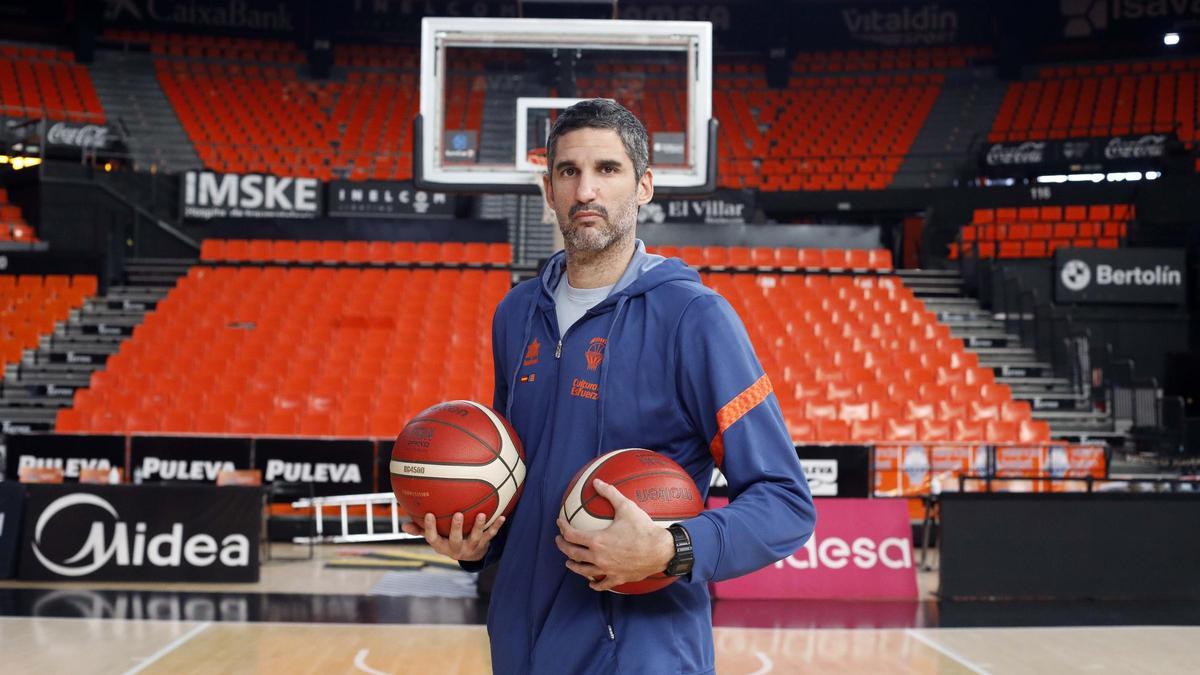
<point>209,46</point>
<point>263,119</point>
<point>357,252</point>
<point>778,258</point>
<point>1036,232</point>
<point>906,58</point>
<point>376,56</point>
<point>321,346</point>
<point>1102,100</point>
<point>38,82</point>
<point>859,359</point>
<point>30,305</point>
<point>822,133</point>
<point>308,351</point>
<point>654,92</point>
<point>12,226</point>
<point>244,117</point>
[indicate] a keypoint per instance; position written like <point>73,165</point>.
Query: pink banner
<point>862,549</point>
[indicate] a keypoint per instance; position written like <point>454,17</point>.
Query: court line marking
<point>360,662</point>
<point>251,622</point>
<point>946,651</point>
<point>172,646</point>
<point>767,664</point>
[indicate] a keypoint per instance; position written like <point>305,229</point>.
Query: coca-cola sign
<point>1142,152</point>
<point>86,136</point>
<point>1029,152</point>
<point>1148,146</point>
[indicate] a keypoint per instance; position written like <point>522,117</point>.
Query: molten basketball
<point>654,482</point>
<point>458,456</point>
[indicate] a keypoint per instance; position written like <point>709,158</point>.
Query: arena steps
<point>998,342</point>
<point>32,307</point>
<point>1052,399</point>
<point>1030,384</point>
<point>1000,356</point>
<point>158,273</point>
<point>953,305</point>
<point>47,378</point>
<point>128,88</point>
<point>969,100</point>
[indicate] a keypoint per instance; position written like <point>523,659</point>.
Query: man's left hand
<point>632,548</point>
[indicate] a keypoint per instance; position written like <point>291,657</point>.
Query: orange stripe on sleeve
<point>734,410</point>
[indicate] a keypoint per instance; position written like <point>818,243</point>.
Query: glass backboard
<point>490,89</point>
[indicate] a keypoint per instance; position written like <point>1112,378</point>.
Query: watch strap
<point>681,563</point>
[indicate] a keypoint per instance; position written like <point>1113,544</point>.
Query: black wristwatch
<point>681,563</point>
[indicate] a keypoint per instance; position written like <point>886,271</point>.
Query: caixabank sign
<point>1128,275</point>
<point>140,533</point>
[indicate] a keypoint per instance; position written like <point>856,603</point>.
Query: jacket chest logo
<point>533,352</point>
<point>595,353</point>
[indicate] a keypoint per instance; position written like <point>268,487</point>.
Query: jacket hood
<point>644,272</point>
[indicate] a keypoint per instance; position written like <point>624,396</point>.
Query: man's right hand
<point>470,549</point>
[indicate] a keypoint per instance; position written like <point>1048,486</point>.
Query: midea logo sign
<point>166,549</point>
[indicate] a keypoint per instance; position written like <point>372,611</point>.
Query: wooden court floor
<point>108,639</point>
<point>124,646</point>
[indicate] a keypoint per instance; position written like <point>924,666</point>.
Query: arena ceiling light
<point>18,162</point>
<point>1170,39</point>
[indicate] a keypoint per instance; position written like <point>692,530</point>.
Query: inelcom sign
<point>1128,275</point>
<point>208,195</point>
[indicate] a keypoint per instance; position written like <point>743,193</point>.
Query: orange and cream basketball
<point>655,482</point>
<point>458,457</point>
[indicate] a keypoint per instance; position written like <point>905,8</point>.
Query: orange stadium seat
<point>31,306</point>
<point>1036,232</point>
<point>331,338</point>
<point>905,377</point>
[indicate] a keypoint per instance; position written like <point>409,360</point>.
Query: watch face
<point>678,569</point>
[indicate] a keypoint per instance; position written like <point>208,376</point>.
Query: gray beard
<point>586,247</point>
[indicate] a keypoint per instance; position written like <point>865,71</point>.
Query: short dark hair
<point>603,113</point>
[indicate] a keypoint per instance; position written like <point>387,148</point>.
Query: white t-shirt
<point>570,303</point>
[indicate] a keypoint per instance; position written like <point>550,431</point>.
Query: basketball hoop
<point>537,157</point>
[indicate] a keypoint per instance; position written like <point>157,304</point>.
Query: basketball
<point>654,482</point>
<point>458,457</point>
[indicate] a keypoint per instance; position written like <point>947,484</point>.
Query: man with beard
<point>614,348</point>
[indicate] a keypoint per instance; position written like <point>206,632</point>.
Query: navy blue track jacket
<point>663,363</point>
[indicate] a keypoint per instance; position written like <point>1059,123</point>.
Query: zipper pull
<point>558,349</point>
<point>611,634</point>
